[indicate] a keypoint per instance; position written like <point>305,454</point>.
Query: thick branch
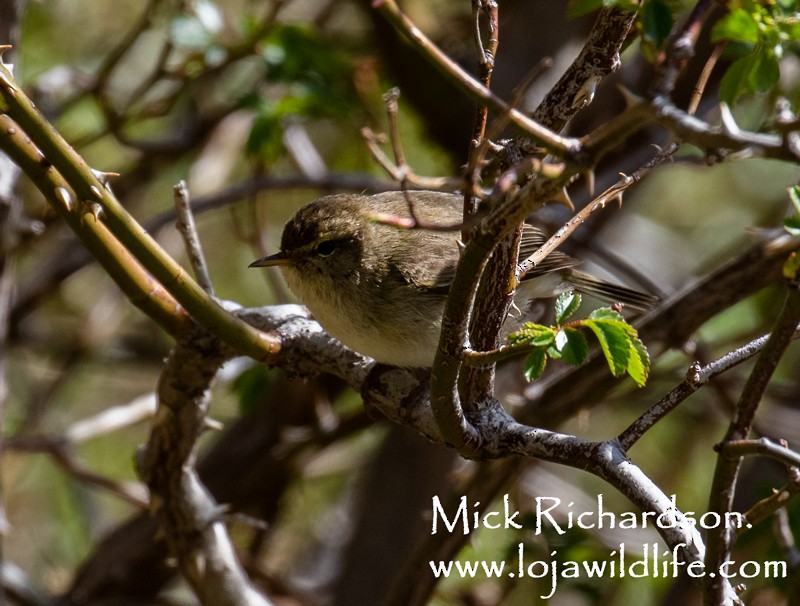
<point>189,516</point>
<point>598,58</point>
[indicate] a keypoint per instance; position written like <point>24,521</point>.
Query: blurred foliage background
<point>259,106</point>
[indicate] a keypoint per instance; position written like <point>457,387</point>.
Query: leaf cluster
<point>314,79</point>
<point>619,341</point>
<point>758,34</point>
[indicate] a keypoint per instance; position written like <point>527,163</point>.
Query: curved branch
<point>561,146</point>
<point>189,516</point>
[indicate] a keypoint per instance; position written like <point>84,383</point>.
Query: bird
<point>381,289</point>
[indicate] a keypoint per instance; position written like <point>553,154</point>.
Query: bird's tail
<point>610,292</point>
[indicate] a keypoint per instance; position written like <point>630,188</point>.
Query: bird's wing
<point>435,276</point>
<point>442,254</point>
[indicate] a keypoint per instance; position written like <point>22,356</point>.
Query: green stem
<point>88,188</point>
<point>138,285</point>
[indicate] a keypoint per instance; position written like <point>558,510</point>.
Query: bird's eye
<point>325,248</point>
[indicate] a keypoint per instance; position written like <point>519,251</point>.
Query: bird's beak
<point>279,258</point>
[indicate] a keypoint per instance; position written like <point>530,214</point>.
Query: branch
<point>598,58</point>
<point>680,48</point>
<point>188,230</point>
<point>486,58</point>
<point>773,504</point>
<point>399,171</point>
<point>189,516</point>
<point>559,397</point>
<point>696,377</point>
<point>561,146</point>
<point>144,292</point>
<point>53,273</point>
<point>502,437</point>
<point>60,453</point>
<point>761,446</point>
<point>720,541</point>
<point>727,137</point>
<point>91,193</point>
<point>612,193</point>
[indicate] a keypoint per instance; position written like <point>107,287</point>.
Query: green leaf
<point>639,362</point>
<point>533,334</point>
<point>794,196</point>
<point>737,26</point>
<point>791,267</point>
<point>736,80</point>
<point>577,8</point>
<point>573,346</point>
<point>566,305</point>
<point>266,135</point>
<point>657,21</point>
<point>765,72</point>
<point>614,342</point>
<point>252,387</point>
<point>792,225</point>
<point>534,364</point>
<point>620,343</point>
<point>606,313</point>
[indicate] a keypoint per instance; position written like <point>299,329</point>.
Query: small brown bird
<point>381,289</point>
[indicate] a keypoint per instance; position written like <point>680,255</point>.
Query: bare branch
<point>720,540</point>
<point>773,504</point>
<point>189,517</point>
<point>761,446</point>
<point>404,173</point>
<point>559,145</point>
<point>598,58</point>
<point>188,230</point>
<point>696,377</point>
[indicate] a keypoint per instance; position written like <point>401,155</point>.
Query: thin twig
<point>111,419</point>
<point>401,174</point>
<point>680,48</point>
<point>612,193</point>
<point>771,505</point>
<point>59,452</point>
<point>478,155</point>
<point>784,535</point>
<point>761,446</point>
<point>390,101</point>
<point>191,240</point>
<point>702,81</point>
<point>546,138</point>
<point>486,59</point>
